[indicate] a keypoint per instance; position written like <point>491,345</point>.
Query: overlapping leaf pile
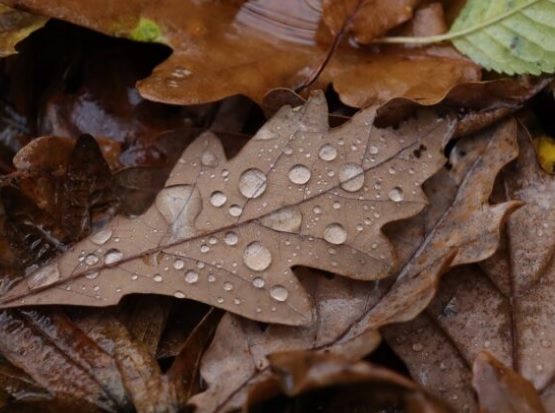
<point>400,259</point>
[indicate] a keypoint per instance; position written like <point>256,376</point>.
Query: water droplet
<point>178,264</point>
<point>392,170</point>
<point>181,72</point>
<point>112,255</point>
<point>287,150</point>
<point>209,159</point>
<point>211,278</point>
<point>231,238</point>
<point>279,293</point>
<point>287,219</point>
<point>417,347</point>
<point>257,257</point>
<point>258,282</point>
<point>91,259</point>
<point>158,278</point>
<point>134,277</point>
<point>92,275</point>
<point>179,294</point>
<point>396,194</point>
<point>212,240</point>
<point>235,210</point>
<point>327,153</point>
<point>220,300</point>
<point>351,177</point>
<point>236,301</point>
<point>317,210</point>
<point>373,150</point>
<point>218,198</point>
<point>335,234</point>
<point>228,286</point>
<point>172,83</point>
<point>204,248</point>
<point>100,237</point>
<point>252,183</point>
<point>191,276</point>
<point>299,174</point>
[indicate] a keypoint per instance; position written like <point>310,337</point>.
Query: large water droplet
<point>252,183</point>
<point>299,174</point>
<point>327,153</point>
<point>351,177</point>
<point>287,219</point>
<point>209,159</point>
<point>258,282</point>
<point>335,234</point>
<point>100,237</point>
<point>179,205</point>
<point>91,259</point>
<point>46,275</point>
<point>279,293</point>
<point>218,198</point>
<point>112,256</point>
<point>231,238</point>
<point>191,276</point>
<point>257,257</point>
<point>396,194</point>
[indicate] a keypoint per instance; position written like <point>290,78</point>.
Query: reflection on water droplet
<point>335,234</point>
<point>228,286</point>
<point>218,198</point>
<point>373,150</point>
<point>279,293</point>
<point>158,278</point>
<point>91,259</point>
<point>396,194</point>
<point>179,294</point>
<point>252,183</point>
<point>257,257</point>
<point>231,238</point>
<point>235,210</point>
<point>209,159</point>
<point>100,237</point>
<point>178,264</point>
<point>112,255</point>
<point>351,177</point>
<point>299,174</point>
<point>327,153</point>
<point>258,282</point>
<point>191,276</point>
<point>287,219</point>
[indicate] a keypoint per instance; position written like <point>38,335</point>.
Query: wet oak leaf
<point>225,48</point>
<point>223,233</point>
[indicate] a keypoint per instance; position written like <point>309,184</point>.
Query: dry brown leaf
<point>15,26</point>
<point>227,48</point>
<point>222,233</point>
<point>501,389</point>
<point>504,308</point>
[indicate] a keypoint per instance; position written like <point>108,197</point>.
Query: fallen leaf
<point>223,234</point>
<point>501,389</point>
<point>503,308</point>
<point>16,26</point>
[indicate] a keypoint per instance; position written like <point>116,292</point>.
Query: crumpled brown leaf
<point>227,48</point>
<point>503,307</point>
<point>222,233</point>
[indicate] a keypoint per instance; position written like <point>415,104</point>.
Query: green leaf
<point>507,36</point>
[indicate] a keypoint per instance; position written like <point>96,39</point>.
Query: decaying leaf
<point>222,232</point>
<point>505,307</point>
<point>15,26</point>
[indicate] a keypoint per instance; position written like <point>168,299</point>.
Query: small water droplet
<point>231,238</point>
<point>112,255</point>
<point>252,183</point>
<point>92,275</point>
<point>100,237</point>
<point>158,278</point>
<point>178,264</point>
<point>396,194</point>
<point>327,153</point>
<point>257,257</point>
<point>392,170</point>
<point>191,277</point>
<point>204,248</point>
<point>179,294</point>
<point>220,300</point>
<point>236,301</point>
<point>218,198</point>
<point>134,277</point>
<point>546,343</point>
<point>235,210</point>
<point>299,174</point>
<point>417,347</point>
<point>228,286</point>
<point>335,234</point>
<point>172,83</point>
<point>279,293</point>
<point>351,177</point>
<point>287,150</point>
<point>181,72</point>
<point>373,150</point>
<point>288,219</point>
<point>317,210</point>
<point>209,159</point>
<point>336,205</point>
<point>91,259</point>
<point>211,278</point>
<point>258,282</point>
